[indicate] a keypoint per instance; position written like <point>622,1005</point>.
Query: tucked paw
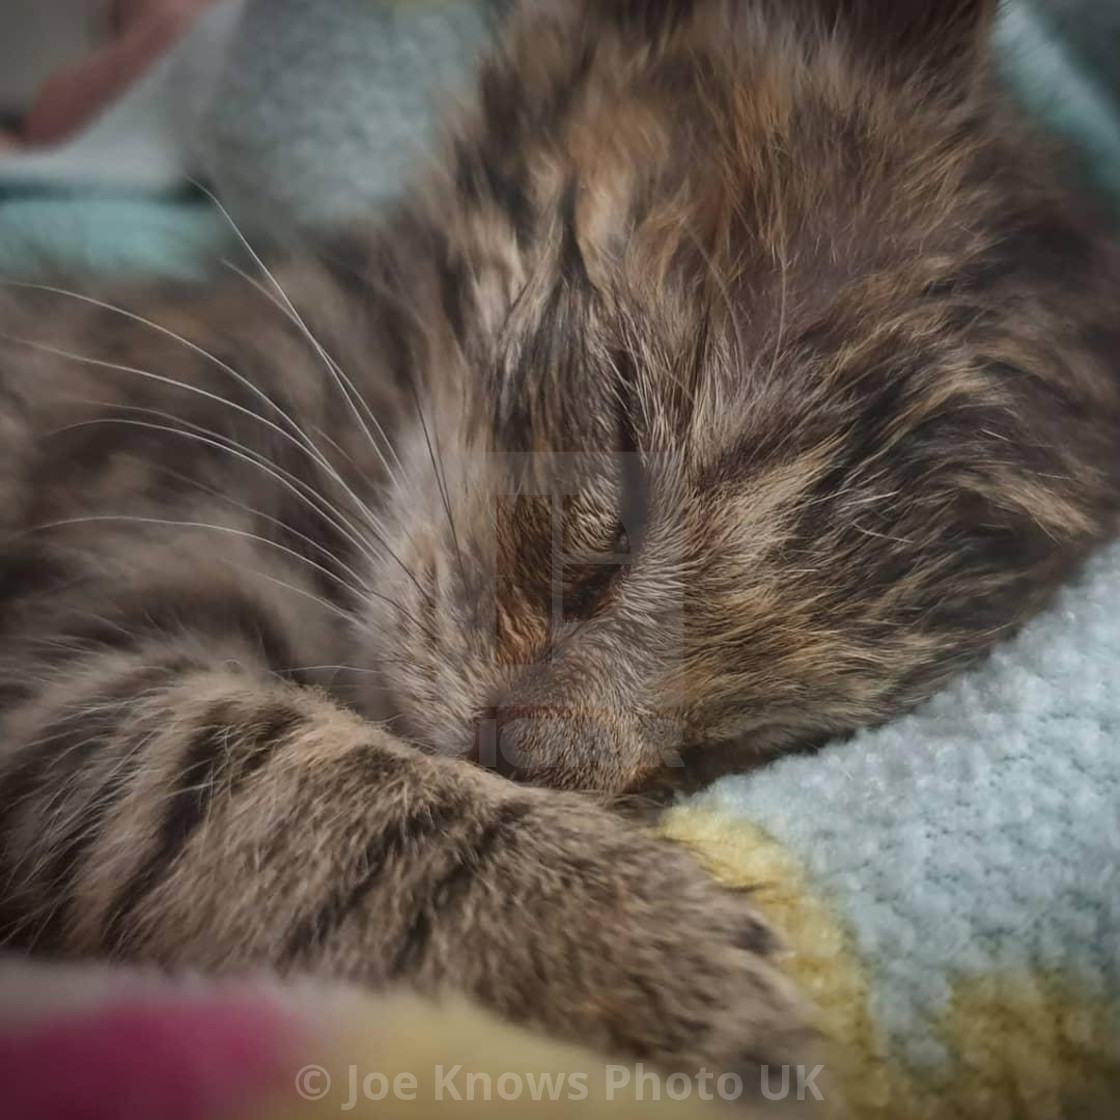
<point>600,933</point>
<point>698,984</point>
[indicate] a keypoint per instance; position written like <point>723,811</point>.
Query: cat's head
<point>674,230</point>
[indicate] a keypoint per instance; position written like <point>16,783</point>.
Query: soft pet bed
<point>950,883</point>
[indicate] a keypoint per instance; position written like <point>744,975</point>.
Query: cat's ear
<point>947,38</point>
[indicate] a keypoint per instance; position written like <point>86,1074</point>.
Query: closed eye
<point>589,576</point>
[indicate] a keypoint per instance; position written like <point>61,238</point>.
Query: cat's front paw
<point>698,986</point>
<point>624,942</point>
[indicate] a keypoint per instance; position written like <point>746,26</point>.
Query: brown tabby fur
<point>832,362</point>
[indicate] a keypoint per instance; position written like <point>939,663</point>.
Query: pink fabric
<point>163,1061</point>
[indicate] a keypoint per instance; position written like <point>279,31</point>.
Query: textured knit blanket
<point>950,883</point>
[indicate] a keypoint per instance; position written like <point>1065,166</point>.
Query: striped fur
<point>785,299</point>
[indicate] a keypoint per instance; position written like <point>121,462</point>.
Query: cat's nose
<point>566,746</point>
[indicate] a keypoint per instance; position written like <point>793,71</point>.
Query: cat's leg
<point>176,808</point>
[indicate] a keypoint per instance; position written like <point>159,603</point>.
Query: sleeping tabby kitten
<point>743,376</point>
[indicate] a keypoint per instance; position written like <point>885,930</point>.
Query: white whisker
<point>366,511</point>
<point>285,305</point>
<point>100,363</point>
<point>253,458</point>
<point>292,483</point>
<point>325,604</point>
<point>344,454</point>
<point>346,385</point>
<point>301,439</point>
<point>245,534</point>
<point>300,435</point>
<point>320,548</point>
<point>326,509</point>
<point>436,461</point>
<point>332,668</point>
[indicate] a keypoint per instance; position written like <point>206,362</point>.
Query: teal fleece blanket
<point>952,881</point>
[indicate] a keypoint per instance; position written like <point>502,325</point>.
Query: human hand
<point>140,31</point>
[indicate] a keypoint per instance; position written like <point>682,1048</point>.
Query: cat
<point>746,372</point>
